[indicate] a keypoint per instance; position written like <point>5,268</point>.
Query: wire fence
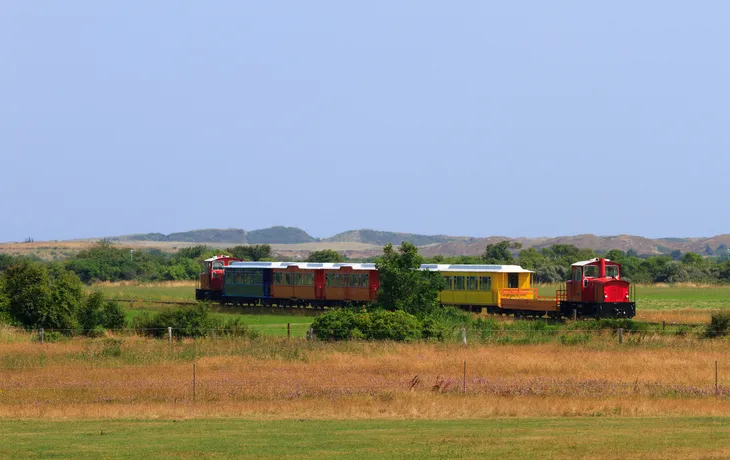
<point>213,382</point>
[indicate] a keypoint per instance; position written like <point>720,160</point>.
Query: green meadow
<point>579,437</point>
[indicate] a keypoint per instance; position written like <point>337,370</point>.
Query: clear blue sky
<point>539,118</point>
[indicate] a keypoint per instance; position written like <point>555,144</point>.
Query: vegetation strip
<point>490,438</point>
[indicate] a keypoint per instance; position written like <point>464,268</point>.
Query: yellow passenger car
<point>480,286</point>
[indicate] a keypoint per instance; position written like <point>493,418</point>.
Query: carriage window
<point>365,280</point>
<point>278,278</point>
<point>472,283</point>
<point>448,283</point>
<point>590,271</point>
<point>459,283</point>
<point>334,280</point>
<point>485,283</point>
<point>306,279</point>
<point>513,280</point>
<point>612,271</point>
<point>354,280</point>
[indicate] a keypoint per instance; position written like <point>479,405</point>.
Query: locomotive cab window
<point>612,271</point>
<point>513,280</point>
<point>577,274</point>
<point>590,271</point>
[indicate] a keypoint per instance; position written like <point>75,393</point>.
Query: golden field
<point>275,378</point>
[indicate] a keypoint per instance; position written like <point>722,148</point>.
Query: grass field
<point>651,297</point>
<point>652,438</point>
<point>655,303</point>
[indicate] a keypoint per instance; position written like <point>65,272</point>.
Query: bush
<point>394,325</point>
<point>487,327</point>
<point>112,316</point>
<point>719,325</point>
<point>185,322</point>
<point>344,323</point>
<point>433,329</point>
<point>575,339</point>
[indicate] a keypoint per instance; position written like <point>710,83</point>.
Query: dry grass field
<point>272,378</point>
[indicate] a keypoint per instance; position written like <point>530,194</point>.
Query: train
<point>595,288</point>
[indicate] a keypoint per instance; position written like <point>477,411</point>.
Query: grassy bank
<point>495,438</point>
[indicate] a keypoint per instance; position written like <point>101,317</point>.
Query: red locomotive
<point>596,289</point>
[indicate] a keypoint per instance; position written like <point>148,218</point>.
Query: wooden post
<point>663,325</point>
<point>288,331</point>
<point>620,335</point>
<point>40,334</point>
<point>463,335</point>
<point>575,314</point>
<point>169,335</point>
<point>310,333</point>
<point>464,389</point>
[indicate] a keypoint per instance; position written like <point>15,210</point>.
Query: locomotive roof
<point>592,261</point>
<point>474,268</point>
<point>218,257</point>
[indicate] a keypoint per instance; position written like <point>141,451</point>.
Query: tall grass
<point>276,377</point>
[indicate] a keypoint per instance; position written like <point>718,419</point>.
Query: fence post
<point>575,314</point>
<point>310,333</point>
<point>40,334</point>
<point>620,335</point>
<point>288,331</point>
<point>463,336</point>
<point>663,325</point>
<point>169,335</point>
<point>464,389</point>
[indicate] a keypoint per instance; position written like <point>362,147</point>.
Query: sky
<point>478,118</point>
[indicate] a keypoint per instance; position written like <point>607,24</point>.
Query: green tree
<point>500,253</point>
<point>253,252</point>
<point>403,286</point>
<point>39,297</point>
<point>4,303</point>
<point>90,311</point>
<point>326,255</point>
<point>96,312</point>
<point>692,258</point>
<point>28,288</point>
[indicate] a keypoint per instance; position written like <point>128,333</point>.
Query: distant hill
<point>369,242</point>
<point>381,238</point>
<point>282,235</point>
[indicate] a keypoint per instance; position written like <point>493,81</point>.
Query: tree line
<point>552,264</point>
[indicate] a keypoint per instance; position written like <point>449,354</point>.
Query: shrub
<point>719,325</point>
<point>434,329</point>
<point>344,323</point>
<point>96,331</point>
<point>394,325</point>
<point>185,322</point>
<point>575,339</point>
<point>112,316</point>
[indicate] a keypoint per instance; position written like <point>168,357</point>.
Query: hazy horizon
<point>534,119</point>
